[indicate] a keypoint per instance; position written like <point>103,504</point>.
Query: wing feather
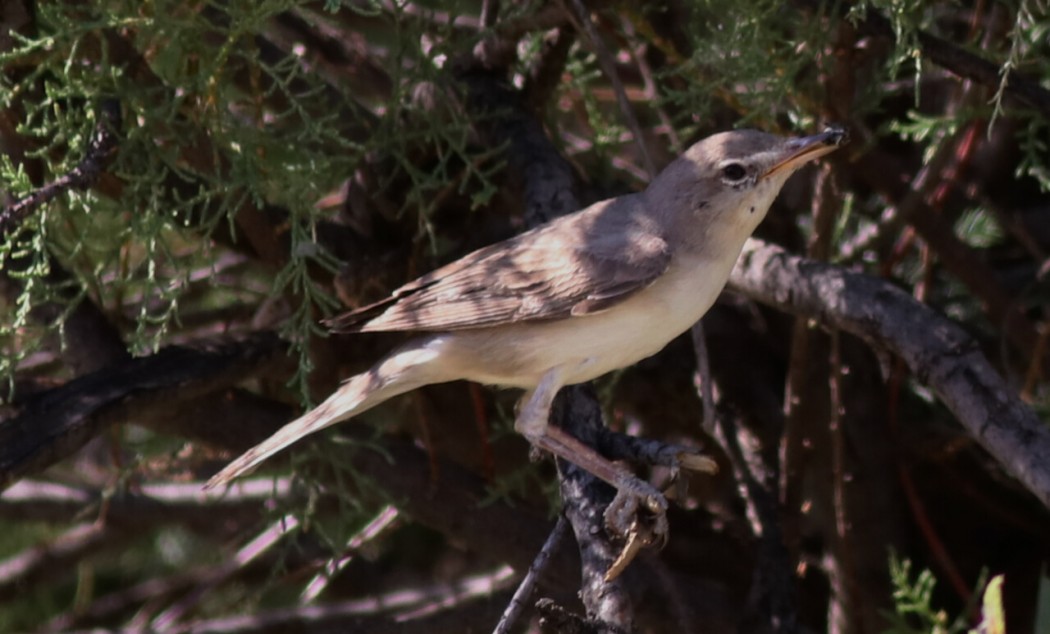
<point>577,265</point>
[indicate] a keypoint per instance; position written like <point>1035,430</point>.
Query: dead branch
<point>937,351</point>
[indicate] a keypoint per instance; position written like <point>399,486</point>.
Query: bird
<point>585,294</point>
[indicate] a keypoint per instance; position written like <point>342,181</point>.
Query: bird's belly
<point>588,346</point>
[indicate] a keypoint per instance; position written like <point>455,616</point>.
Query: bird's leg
<point>533,423</point>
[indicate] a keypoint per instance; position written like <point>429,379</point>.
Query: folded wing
<point>572,267</point>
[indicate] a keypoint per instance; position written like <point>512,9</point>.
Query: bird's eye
<point>734,172</point>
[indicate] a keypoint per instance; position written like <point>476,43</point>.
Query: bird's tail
<point>402,371</point>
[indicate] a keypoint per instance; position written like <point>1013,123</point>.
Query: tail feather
<point>401,372</point>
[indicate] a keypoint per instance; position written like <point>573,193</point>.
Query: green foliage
<point>907,18</point>
<point>914,612</point>
<point>212,127</point>
<point>914,598</point>
<point>750,57</point>
<point>978,228</point>
<point>609,131</point>
<point>420,83</point>
<point>930,129</point>
<point>1035,162</point>
<point>1027,35</point>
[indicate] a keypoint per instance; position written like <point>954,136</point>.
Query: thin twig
<point>489,13</point>
<point>458,606</point>
<point>581,17</point>
<point>146,505</point>
<point>248,553</point>
<point>532,577</point>
<point>845,555</point>
<point>454,594</point>
<point>703,377</point>
<point>957,60</point>
<point>97,156</point>
<point>652,93</point>
<point>379,524</point>
<point>58,556</point>
<point>127,600</point>
<point>771,602</point>
<point>914,205</point>
<point>920,513</point>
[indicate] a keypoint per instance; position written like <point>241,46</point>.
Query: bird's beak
<point>799,151</point>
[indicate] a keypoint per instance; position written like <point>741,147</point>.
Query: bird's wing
<point>571,267</point>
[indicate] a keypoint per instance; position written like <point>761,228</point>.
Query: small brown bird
<point>585,294</point>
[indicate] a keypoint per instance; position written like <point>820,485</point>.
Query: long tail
<point>404,370</point>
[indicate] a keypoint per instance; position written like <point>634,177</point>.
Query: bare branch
<point>528,583</point>
<point>936,350</point>
<point>58,422</point>
<point>581,17</point>
<point>146,505</point>
<point>56,557</point>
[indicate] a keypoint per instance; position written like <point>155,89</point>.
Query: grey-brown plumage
<point>575,265</point>
<point>583,295</point>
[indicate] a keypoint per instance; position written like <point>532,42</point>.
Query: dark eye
<point>734,172</point>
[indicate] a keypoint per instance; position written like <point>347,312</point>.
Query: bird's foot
<point>638,513</point>
<point>639,518</point>
<point>638,507</point>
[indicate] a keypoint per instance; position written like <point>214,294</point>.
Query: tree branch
<point>936,350</point>
<point>60,421</point>
<point>97,156</point>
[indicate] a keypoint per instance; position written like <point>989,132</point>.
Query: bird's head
<point>726,182</point>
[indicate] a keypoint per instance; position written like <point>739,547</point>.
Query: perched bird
<point>569,301</point>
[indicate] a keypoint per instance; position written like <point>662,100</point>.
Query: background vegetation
<point>188,187</point>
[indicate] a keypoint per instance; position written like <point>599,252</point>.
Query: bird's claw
<point>632,496</point>
<point>637,515</point>
<point>693,460</point>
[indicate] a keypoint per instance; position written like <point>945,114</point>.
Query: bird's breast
<point>591,345</point>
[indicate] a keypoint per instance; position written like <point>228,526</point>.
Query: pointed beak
<point>798,152</point>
